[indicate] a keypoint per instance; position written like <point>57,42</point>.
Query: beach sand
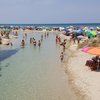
<point>84,82</point>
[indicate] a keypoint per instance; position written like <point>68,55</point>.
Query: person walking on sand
<point>62,56</point>
<point>45,35</point>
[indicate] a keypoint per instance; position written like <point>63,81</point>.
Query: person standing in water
<point>25,35</point>
<point>47,34</point>
<point>30,40</point>
<point>41,37</point>
<point>34,42</point>
<point>39,43</point>
<point>23,43</point>
<point>16,34</point>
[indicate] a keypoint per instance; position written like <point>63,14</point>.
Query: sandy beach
<point>84,82</point>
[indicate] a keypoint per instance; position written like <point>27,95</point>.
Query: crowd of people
<point>35,42</point>
<point>63,44</point>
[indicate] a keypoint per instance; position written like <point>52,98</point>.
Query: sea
<point>55,25</point>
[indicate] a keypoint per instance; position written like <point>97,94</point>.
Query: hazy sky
<point>49,11</point>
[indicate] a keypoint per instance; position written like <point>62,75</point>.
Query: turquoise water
<point>34,73</point>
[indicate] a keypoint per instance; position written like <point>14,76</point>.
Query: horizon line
<point>49,23</point>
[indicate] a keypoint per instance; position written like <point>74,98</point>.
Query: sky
<point>49,11</point>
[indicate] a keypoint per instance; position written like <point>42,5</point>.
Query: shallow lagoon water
<point>35,73</point>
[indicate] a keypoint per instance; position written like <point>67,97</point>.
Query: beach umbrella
<point>11,26</point>
<point>79,31</point>
<point>89,34</point>
<point>5,30</point>
<point>91,28</point>
<point>94,33</point>
<point>94,51</point>
<point>85,28</point>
